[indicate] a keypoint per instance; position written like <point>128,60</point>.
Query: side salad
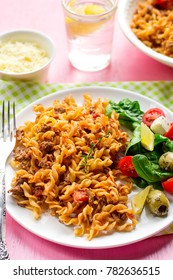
<point>148,159</point>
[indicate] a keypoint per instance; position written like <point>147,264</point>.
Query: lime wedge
<point>138,201</point>
<point>147,137</point>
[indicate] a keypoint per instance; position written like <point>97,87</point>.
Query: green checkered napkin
<point>26,92</point>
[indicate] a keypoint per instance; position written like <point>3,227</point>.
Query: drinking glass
<point>90,29</point>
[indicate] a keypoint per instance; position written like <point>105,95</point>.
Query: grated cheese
<point>21,57</point>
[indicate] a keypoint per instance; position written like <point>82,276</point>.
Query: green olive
<point>158,202</point>
<point>166,161</point>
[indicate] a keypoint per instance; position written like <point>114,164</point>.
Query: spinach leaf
<point>159,139</point>
<point>141,183</point>
<point>134,146</point>
<point>152,156</point>
<point>130,114</point>
<point>161,145</point>
<point>149,171</point>
<point>167,143</point>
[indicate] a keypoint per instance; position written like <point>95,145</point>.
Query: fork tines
<point>7,115</point>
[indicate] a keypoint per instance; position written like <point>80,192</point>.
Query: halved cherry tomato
<point>80,196</point>
<point>163,4</point>
<point>168,185</point>
<point>95,115</point>
<point>127,168</point>
<point>169,133</point>
<point>152,114</point>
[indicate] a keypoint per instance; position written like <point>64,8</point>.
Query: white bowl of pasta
<point>150,36</point>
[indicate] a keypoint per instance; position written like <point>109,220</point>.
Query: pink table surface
<point>128,64</point>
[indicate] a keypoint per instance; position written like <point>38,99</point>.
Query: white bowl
<point>126,9</point>
<point>39,74</point>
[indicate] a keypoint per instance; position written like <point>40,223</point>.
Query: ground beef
<point>46,161</point>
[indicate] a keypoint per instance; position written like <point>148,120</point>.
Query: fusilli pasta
<point>153,26</point>
<point>65,161</point>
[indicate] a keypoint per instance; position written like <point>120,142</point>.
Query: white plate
<point>49,227</point>
<point>126,9</point>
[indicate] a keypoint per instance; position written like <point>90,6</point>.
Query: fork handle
<point>3,248</point>
<point>3,251</point>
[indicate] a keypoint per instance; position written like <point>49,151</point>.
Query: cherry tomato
<point>95,115</point>
<point>127,168</point>
<point>80,196</point>
<point>169,133</point>
<point>152,114</point>
<point>163,4</point>
<point>168,185</point>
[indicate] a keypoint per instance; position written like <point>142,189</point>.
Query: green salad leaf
<point>149,171</point>
<point>141,183</point>
<point>130,114</point>
<point>134,146</point>
<point>146,163</point>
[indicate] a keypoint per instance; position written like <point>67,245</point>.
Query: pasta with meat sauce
<point>65,162</point>
<point>153,26</point>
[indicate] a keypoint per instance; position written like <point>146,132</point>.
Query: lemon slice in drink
<point>147,137</point>
<point>138,201</point>
<point>83,28</point>
<point>93,9</point>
